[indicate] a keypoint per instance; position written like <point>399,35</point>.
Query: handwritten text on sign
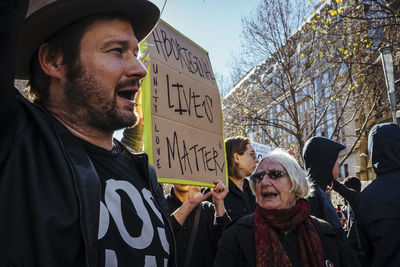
<point>180,54</point>
<point>186,117</point>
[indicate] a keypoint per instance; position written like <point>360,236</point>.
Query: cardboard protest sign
<point>183,127</point>
<point>260,149</point>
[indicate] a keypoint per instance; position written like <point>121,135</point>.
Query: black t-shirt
<point>131,229</point>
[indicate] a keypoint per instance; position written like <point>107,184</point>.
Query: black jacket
<point>208,233</point>
<point>379,209</point>
<point>237,245</point>
<point>320,155</point>
<point>49,189</point>
<point>239,203</point>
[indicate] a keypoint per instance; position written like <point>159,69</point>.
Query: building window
<point>346,170</point>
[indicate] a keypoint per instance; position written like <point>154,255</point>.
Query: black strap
<point>192,236</point>
<point>354,227</point>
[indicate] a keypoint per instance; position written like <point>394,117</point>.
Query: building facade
<point>326,80</point>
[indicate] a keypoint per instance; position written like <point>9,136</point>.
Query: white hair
<point>301,186</point>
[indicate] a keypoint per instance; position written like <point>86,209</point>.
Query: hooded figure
<point>320,155</point>
<point>380,201</point>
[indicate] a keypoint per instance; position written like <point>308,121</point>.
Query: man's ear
<point>51,64</point>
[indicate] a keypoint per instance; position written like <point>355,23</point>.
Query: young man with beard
<point>71,195</point>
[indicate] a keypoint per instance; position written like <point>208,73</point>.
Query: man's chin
<point>119,123</point>
<point>128,124</point>
<point>128,119</point>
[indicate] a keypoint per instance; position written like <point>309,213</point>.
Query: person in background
<point>350,191</point>
<point>341,215</point>
<point>281,231</point>
<point>321,164</point>
<point>379,208</point>
<point>197,224</point>
<point>241,161</point>
<point>352,184</point>
<point>70,194</point>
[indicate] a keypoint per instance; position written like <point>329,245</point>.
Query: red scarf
<point>268,247</point>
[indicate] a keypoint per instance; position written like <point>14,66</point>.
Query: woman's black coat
<point>237,245</point>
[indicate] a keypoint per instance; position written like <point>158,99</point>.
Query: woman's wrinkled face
<point>273,193</point>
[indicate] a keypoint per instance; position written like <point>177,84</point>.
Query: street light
<point>387,62</point>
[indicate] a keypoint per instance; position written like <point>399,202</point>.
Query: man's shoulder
<point>29,110</point>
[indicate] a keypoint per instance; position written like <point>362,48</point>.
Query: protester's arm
<point>12,13</point>
<point>220,218</point>
<point>348,194</point>
<point>194,199</point>
<point>133,137</point>
<point>218,195</point>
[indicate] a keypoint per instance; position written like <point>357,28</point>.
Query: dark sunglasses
<point>257,177</point>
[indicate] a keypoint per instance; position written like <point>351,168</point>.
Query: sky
<point>215,25</point>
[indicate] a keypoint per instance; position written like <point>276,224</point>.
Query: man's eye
<point>118,50</point>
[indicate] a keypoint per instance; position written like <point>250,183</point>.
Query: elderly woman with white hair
<point>281,232</point>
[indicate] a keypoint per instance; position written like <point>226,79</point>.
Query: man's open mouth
<point>127,94</point>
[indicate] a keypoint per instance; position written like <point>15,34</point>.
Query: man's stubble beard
<point>87,102</point>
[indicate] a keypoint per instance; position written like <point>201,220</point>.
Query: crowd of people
<point>72,195</point>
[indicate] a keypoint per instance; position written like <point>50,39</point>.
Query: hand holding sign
<point>196,197</point>
<point>220,191</point>
<point>218,194</point>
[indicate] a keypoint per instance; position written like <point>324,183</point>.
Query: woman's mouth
<point>269,195</point>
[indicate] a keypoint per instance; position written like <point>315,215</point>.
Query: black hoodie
<point>384,148</point>
<point>380,201</point>
<point>320,155</point>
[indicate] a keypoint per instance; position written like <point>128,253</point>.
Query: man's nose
<point>135,68</point>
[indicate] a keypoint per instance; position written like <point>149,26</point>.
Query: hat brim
<point>42,24</point>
